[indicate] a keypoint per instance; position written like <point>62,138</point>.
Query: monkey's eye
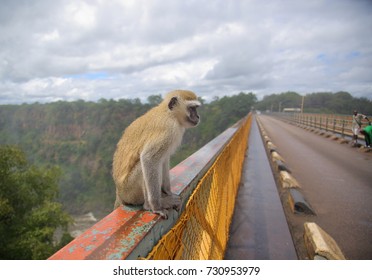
<point>192,108</point>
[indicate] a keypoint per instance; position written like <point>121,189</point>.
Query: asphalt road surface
<point>336,179</point>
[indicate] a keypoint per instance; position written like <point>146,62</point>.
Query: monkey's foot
<point>171,201</point>
<point>163,213</point>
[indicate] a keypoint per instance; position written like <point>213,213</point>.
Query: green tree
<point>29,213</point>
<point>274,102</point>
<point>154,100</point>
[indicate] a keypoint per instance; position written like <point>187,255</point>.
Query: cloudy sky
<point>76,49</point>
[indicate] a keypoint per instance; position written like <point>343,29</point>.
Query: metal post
<point>343,128</point>
<point>320,122</point>
<point>302,104</point>
<point>334,125</point>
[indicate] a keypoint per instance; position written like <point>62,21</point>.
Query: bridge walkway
<point>259,229</point>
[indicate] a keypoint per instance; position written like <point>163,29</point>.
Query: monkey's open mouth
<point>193,122</point>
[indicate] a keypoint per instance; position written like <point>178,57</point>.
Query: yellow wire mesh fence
<point>202,231</point>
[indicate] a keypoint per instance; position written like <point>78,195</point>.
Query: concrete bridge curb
<point>288,181</point>
<point>298,203</point>
<point>318,243</point>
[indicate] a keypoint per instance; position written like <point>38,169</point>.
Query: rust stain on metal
<point>124,240</point>
<point>82,246</point>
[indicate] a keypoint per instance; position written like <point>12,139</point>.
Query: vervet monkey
<point>141,159</point>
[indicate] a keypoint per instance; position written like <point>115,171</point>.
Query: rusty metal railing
<point>340,124</point>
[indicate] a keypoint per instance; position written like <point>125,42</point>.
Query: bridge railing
<point>207,182</point>
<point>340,124</point>
<point>202,232</point>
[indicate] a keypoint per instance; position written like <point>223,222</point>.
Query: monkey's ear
<point>173,102</point>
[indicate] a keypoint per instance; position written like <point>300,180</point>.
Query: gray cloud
<point>67,50</point>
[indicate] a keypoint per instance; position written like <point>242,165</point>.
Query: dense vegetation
<point>29,213</point>
<point>80,137</point>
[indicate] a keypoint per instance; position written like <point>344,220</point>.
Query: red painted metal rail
<point>131,233</point>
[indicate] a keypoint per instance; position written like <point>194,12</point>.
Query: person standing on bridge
<point>356,125</point>
<point>367,132</point>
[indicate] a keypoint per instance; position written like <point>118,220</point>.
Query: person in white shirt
<point>356,125</point>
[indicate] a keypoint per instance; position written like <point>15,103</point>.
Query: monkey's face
<point>192,116</point>
<point>185,111</point>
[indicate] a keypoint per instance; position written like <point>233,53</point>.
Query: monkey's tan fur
<point>141,160</point>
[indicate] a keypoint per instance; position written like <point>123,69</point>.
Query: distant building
<point>292,110</point>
